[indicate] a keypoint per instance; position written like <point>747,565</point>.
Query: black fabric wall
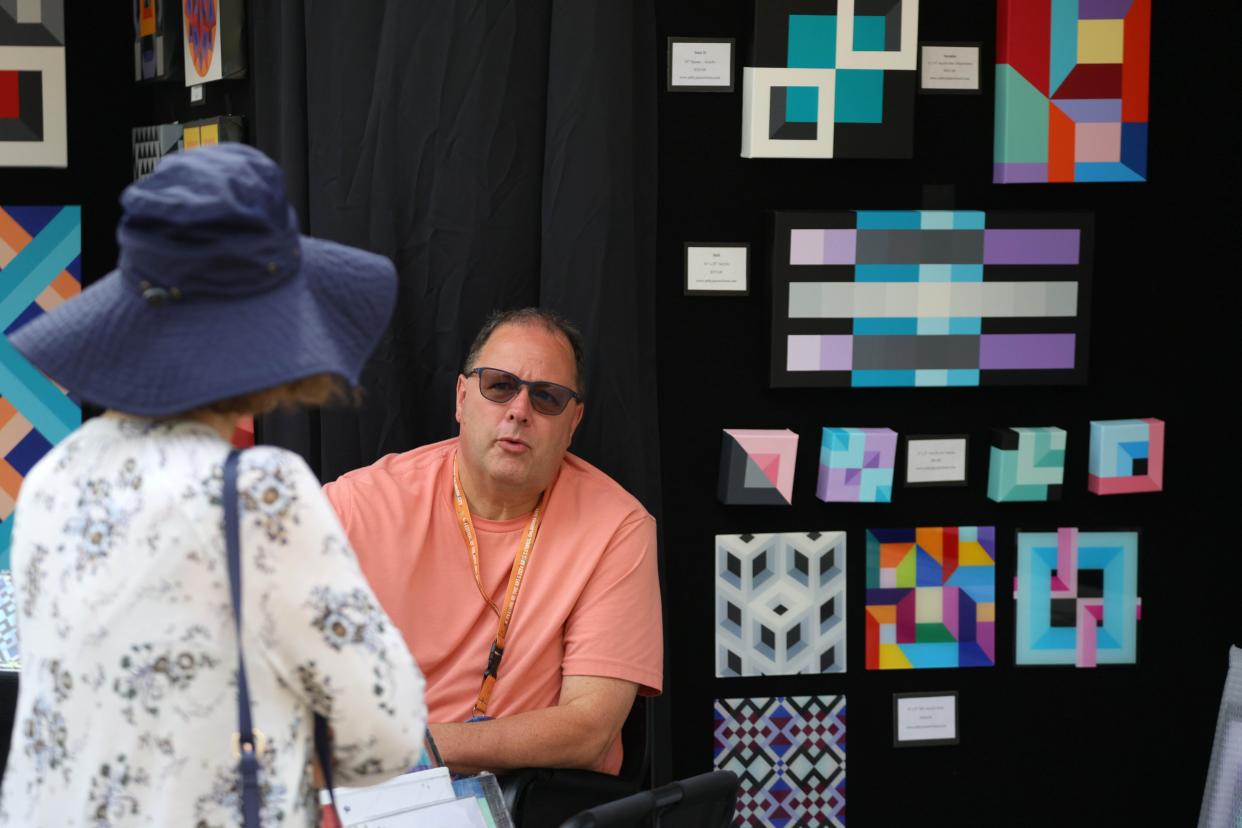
<point>1038,745</point>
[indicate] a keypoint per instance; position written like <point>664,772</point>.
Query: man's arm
<point>576,733</point>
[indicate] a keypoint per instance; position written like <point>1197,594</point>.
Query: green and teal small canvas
<point>1026,464</point>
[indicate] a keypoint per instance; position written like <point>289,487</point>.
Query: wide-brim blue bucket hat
<point>216,294</point>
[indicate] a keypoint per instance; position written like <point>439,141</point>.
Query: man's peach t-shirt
<point>590,598</point>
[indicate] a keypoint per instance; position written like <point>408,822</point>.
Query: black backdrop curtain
<point>502,153</point>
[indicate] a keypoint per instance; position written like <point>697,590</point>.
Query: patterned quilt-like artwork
<point>39,269</point>
<point>1026,464</point>
<point>929,298</point>
<point>789,757</point>
<point>931,597</point>
<point>780,604</point>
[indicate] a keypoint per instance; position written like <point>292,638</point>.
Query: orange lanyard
<point>515,583</point>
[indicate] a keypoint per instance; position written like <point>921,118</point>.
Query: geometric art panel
<point>1026,464</point>
<point>1077,598</point>
<point>33,128</point>
<point>150,144</point>
<point>10,659</point>
<point>856,465</point>
<point>931,597</point>
<point>157,32</point>
<point>789,756</point>
<point>211,131</point>
<point>929,298</point>
<point>780,604</point>
<point>1071,91</point>
<point>757,466</point>
<point>831,79</point>
<point>40,267</point>
<point>1127,456</point>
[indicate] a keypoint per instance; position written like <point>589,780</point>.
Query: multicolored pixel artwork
<point>1077,598</point>
<point>1071,90</point>
<point>931,597</point>
<point>780,604</point>
<point>789,756</point>
<point>929,298</point>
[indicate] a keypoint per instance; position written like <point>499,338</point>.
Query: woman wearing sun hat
<point>129,696</point>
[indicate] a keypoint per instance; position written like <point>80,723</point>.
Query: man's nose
<point>519,406</point>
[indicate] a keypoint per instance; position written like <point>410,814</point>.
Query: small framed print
<point>936,459</point>
<point>700,64</point>
<point>949,68</point>
<point>925,719</point>
<point>717,268</point>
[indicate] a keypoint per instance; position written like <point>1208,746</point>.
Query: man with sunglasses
<point>523,579</point>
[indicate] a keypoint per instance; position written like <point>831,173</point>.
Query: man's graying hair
<point>551,321</point>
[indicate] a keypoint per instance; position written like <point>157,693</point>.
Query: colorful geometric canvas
<point>780,604</point>
<point>789,756</point>
<point>931,597</point>
<point>33,129</point>
<point>1127,456</point>
<point>10,656</point>
<point>929,298</point>
<point>1077,598</point>
<point>831,79</point>
<point>856,465</point>
<point>757,466</point>
<point>156,27</point>
<point>211,131</point>
<point>1026,464</point>
<point>1071,90</point>
<point>39,269</point>
<point>212,32</point>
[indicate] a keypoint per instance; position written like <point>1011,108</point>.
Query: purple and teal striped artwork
<point>930,298</point>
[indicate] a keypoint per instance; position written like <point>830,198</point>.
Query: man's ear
<point>580,408</point>
<point>461,396</point>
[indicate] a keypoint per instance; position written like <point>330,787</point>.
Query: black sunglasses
<point>501,386</point>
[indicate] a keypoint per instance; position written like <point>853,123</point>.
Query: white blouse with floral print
<point>128,697</point>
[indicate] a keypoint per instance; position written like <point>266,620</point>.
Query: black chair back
<point>704,801</point>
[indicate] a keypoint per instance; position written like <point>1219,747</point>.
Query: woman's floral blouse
<point>128,698</point>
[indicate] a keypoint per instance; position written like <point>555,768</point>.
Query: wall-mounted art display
<point>10,655</point>
<point>157,33</point>
<point>1127,456</point>
<point>931,597</point>
<point>33,127</point>
<point>937,459</point>
<point>1077,598</point>
<point>780,604</point>
<point>831,79</point>
<point>150,144</point>
<point>213,131</point>
<point>40,267</point>
<point>929,298</point>
<point>1071,90</point>
<point>788,753</point>
<point>1026,464</point>
<point>212,33</point>
<point>856,465</point>
<point>757,466</point>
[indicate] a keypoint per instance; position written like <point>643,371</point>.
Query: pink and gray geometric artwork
<point>930,298</point>
<point>856,465</point>
<point>757,466</point>
<point>1077,598</point>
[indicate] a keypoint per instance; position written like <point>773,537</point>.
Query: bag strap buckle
<point>258,745</point>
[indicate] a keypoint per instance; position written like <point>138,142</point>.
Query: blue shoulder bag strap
<point>248,743</point>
